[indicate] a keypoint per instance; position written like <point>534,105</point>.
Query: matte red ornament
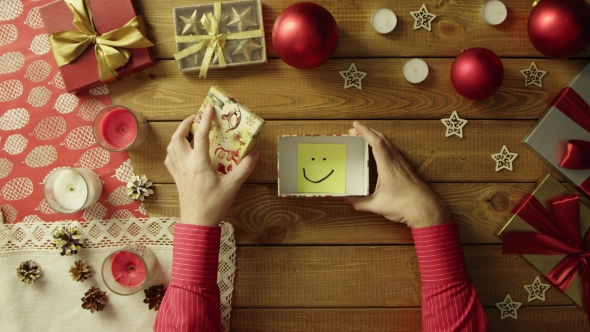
<point>477,73</point>
<point>305,35</point>
<point>560,29</point>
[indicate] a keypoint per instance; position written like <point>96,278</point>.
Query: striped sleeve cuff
<point>195,254</point>
<point>440,255</point>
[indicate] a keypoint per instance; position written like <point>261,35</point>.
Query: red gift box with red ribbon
<point>550,230</point>
<point>561,137</point>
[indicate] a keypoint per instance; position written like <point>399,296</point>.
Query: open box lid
<point>353,152</point>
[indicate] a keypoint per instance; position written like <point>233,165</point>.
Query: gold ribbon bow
<point>111,48</point>
<point>213,40</point>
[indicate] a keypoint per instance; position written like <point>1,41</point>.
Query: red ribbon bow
<point>558,235</point>
<point>577,155</point>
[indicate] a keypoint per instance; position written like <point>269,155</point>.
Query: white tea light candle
<point>69,190</point>
<point>384,20</point>
<point>415,71</point>
<point>494,12</point>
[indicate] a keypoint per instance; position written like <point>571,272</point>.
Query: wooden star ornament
<point>533,76</point>
<point>508,307</point>
<point>423,19</point>
<point>242,20</point>
<point>536,290</point>
<point>353,77</point>
<point>245,48</point>
<point>192,24</point>
<point>454,125</point>
<point>504,159</point>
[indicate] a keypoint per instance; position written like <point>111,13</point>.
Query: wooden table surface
<point>317,265</point>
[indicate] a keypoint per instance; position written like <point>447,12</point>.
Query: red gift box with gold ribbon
<point>108,34</point>
<point>561,137</point>
<point>550,230</point>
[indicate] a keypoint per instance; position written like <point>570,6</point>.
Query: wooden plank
<point>459,25</point>
<point>261,217</point>
<point>435,158</point>
<point>364,276</point>
<point>530,319</point>
<point>277,91</point>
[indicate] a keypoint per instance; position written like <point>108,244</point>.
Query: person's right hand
<point>400,195</point>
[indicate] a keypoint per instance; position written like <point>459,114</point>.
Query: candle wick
<point>71,189</point>
<point>385,22</point>
<point>414,68</point>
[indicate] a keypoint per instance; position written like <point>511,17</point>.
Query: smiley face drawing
<point>321,168</point>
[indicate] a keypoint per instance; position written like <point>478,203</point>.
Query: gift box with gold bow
<point>562,135</point>
<point>220,34</point>
<point>549,229</point>
<point>96,41</point>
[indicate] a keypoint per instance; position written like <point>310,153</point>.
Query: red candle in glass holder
<point>128,269</point>
<point>119,128</point>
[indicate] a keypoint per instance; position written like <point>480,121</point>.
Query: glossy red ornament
<point>477,73</point>
<point>305,35</point>
<point>560,29</point>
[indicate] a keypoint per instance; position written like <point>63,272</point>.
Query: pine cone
<point>154,296</point>
<point>94,300</point>
<point>68,240</point>
<point>80,271</point>
<point>28,272</point>
<point>138,187</point>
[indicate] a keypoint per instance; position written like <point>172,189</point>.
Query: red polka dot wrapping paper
<point>43,127</point>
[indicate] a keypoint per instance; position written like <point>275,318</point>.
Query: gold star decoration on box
<point>454,125</point>
<point>536,290</point>
<point>353,77</point>
<point>508,307</point>
<point>226,55</point>
<point>533,76</point>
<point>192,24</point>
<point>504,159</point>
<point>423,19</point>
<point>242,20</point>
<point>245,48</point>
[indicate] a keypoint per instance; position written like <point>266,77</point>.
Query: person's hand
<point>205,194</point>
<point>400,195</point>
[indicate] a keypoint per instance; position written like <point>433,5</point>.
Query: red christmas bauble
<point>560,29</point>
<point>305,35</point>
<point>477,73</point>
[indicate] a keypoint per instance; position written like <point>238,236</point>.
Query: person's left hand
<point>205,195</point>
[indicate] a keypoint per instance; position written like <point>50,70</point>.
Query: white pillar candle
<point>384,20</point>
<point>415,70</point>
<point>494,12</point>
<point>70,189</point>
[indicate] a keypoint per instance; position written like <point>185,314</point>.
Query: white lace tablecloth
<point>53,303</point>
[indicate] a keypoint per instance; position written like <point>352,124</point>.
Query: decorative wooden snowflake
<point>353,77</point>
<point>504,159</point>
<point>508,307</point>
<point>533,76</point>
<point>454,125</point>
<point>423,19</point>
<point>536,290</point>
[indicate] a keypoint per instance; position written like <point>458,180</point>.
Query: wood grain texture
<point>277,91</point>
<point>260,217</point>
<point>398,320</point>
<point>368,276</point>
<point>459,25</point>
<point>422,143</point>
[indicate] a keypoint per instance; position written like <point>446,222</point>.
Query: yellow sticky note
<point>321,168</point>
